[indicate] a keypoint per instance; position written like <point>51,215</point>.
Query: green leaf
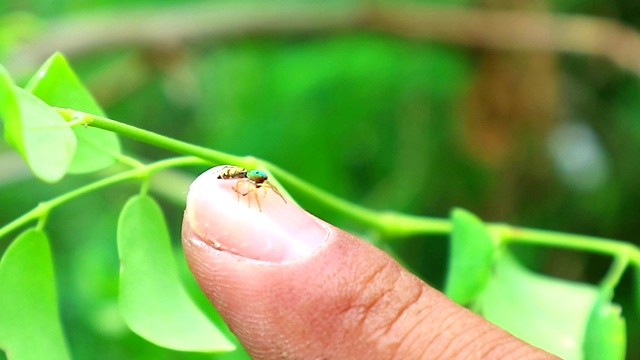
<point>606,336</point>
<point>36,131</point>
<point>471,257</point>
<point>153,301</point>
<point>57,85</point>
<point>9,110</point>
<point>636,274</point>
<point>30,325</point>
<point>547,312</point>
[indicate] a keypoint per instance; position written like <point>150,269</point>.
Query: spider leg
<point>236,188</point>
<point>255,193</point>
<point>250,187</point>
<point>275,190</point>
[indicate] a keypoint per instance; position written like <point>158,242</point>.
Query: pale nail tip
<point>214,202</point>
<point>205,177</point>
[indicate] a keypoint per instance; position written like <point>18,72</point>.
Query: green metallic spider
<point>251,181</point>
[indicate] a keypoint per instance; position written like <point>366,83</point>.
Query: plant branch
<point>388,223</point>
<point>206,22</point>
<point>569,241</point>
<point>149,137</point>
<point>45,207</point>
<point>613,276</point>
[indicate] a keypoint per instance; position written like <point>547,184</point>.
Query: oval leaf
<point>9,111</point>
<point>606,335</point>
<point>153,301</point>
<point>49,143</point>
<point>547,312</point>
<point>36,131</point>
<point>57,85</point>
<point>30,325</point>
<point>470,259</point>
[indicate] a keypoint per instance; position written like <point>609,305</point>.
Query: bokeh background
<point>531,117</point>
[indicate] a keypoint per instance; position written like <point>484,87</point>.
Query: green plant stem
<point>569,241</point>
<point>150,137</point>
<point>613,276</point>
<point>128,160</point>
<point>43,209</point>
<point>30,215</point>
<point>387,224</point>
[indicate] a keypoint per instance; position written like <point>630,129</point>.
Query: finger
<point>291,286</point>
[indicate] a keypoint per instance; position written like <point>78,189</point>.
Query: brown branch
<point>516,30</point>
<point>164,27</point>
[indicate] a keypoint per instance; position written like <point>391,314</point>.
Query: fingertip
<point>235,216</point>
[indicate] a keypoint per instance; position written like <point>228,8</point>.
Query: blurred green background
<point>536,138</point>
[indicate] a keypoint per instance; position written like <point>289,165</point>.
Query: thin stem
<point>569,241</point>
<point>144,188</point>
<point>42,210</point>
<point>150,137</point>
<point>127,175</point>
<point>42,220</point>
<point>387,223</point>
<point>23,219</point>
<point>613,276</point>
<point>128,160</point>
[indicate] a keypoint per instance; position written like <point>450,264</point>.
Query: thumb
<point>294,287</point>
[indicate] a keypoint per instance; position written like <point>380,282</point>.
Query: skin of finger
<point>234,223</point>
<point>348,300</point>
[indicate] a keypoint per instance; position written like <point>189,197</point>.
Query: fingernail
<point>267,229</point>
